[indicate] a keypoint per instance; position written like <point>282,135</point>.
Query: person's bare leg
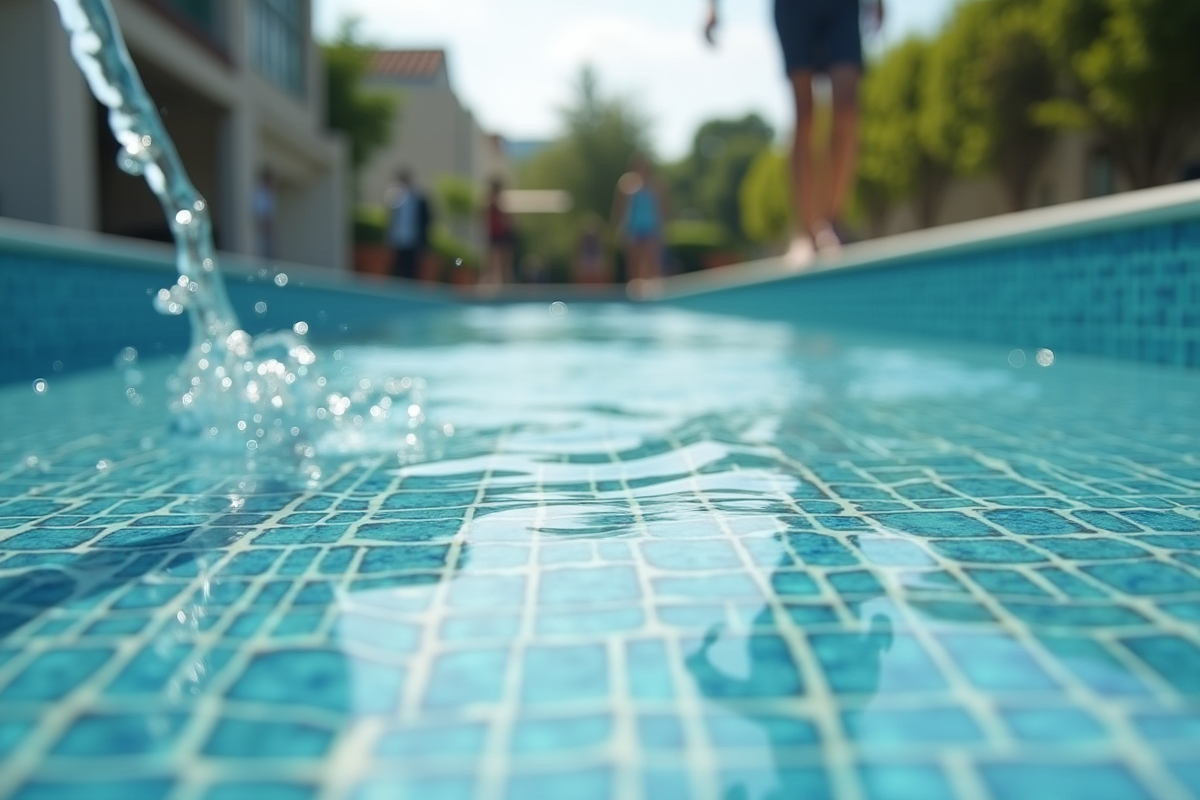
<point>843,149</point>
<point>803,183</point>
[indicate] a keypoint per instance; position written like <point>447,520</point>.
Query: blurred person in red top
<point>820,37</point>
<point>498,261</point>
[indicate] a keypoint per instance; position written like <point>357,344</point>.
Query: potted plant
<point>371,253</point>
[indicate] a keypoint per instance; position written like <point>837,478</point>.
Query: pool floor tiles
<point>876,601</point>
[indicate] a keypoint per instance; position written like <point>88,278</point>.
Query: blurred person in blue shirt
<point>408,225</point>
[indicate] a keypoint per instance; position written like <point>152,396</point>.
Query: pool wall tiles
<point>81,313</point>
<point>1129,294</point>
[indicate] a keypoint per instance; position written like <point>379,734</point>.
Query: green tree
<point>987,72</point>
<point>1129,70</point>
<point>601,134</point>
<point>364,116</point>
<point>894,164</point>
<point>707,181</point>
<point>765,198</point>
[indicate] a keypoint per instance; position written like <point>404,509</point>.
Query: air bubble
<point>39,386</point>
<point>281,279</point>
<point>183,217</point>
<point>260,307</point>
<point>300,328</point>
<point>558,308</point>
<point>1017,358</point>
<point>1045,357</point>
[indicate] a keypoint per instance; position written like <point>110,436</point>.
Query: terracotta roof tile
<point>407,63</point>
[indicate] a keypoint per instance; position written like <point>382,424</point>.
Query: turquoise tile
<point>461,740</point>
<point>883,781</point>
<point>324,679</point>
<point>250,739</point>
<point>54,674</point>
<point>93,789</point>
<point>935,523</point>
<point>587,784</point>
<point>107,735</point>
<point>550,735</point>
<point>1145,577</point>
<point>260,790</point>
<point>588,585</point>
<point>987,551</point>
<point>1065,725</point>
<point>903,727</point>
<point>1174,658</point>
<point>564,673</point>
<point>463,678</point>
<point>1033,781</point>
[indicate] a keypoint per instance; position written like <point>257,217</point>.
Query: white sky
<point>512,62</point>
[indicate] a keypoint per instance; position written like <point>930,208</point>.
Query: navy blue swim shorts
<point>817,34</point>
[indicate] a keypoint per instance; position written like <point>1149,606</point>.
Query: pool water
<point>664,555</point>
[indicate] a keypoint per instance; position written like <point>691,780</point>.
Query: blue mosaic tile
<point>904,781</point>
<point>1032,781</point>
<point>671,606</point>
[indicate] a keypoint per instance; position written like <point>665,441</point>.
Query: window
<point>203,17</point>
<point>278,42</point>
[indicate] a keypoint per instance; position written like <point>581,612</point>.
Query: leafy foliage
<point>706,183</point>
<point>987,71</point>
<point>365,117</point>
<point>765,198</point>
<point>601,135</point>
<point>894,161</point>
<point>1129,69</point>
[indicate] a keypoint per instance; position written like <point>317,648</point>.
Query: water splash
<point>261,392</point>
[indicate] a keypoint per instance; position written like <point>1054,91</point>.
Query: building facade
<point>239,85</point>
<point>434,135</point>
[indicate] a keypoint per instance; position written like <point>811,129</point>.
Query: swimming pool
<point>665,554</point>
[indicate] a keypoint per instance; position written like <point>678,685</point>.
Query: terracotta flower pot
<point>372,259</point>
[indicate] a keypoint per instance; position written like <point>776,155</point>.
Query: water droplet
<point>1017,358</point>
<point>1045,357</point>
<point>300,328</point>
<point>558,308</point>
<point>281,279</point>
<point>260,307</point>
<point>39,386</point>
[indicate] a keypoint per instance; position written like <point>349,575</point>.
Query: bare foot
<point>826,239</point>
<point>800,253</point>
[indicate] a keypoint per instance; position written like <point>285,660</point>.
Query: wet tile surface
<point>665,556</point>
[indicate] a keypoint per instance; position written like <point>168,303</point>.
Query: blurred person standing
<point>498,261</point>
<point>265,207</point>
<point>820,37</point>
<point>639,213</point>
<point>591,266</point>
<point>408,225</point>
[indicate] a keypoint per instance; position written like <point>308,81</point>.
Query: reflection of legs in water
<point>770,663</point>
